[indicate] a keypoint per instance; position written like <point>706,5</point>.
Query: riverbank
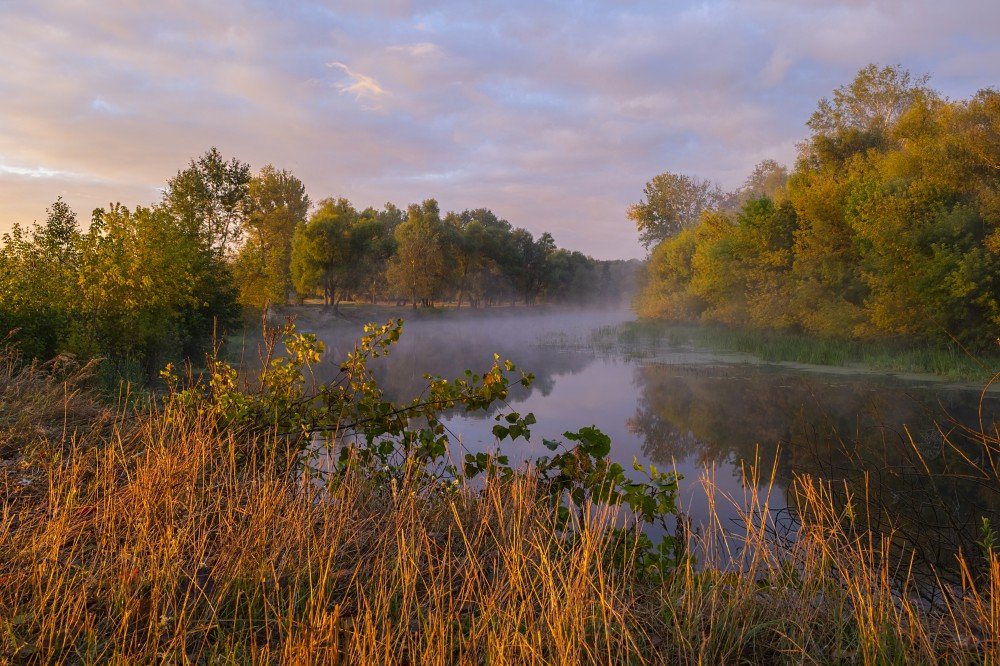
<point>648,338</point>
<point>314,312</point>
<point>146,535</point>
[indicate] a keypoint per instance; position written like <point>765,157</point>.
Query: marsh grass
<point>135,537</point>
<point>950,362</point>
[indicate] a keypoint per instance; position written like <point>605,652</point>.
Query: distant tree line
<point>469,258</point>
<point>888,226</point>
<point>149,284</point>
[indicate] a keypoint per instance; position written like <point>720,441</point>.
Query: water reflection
<point>874,433</point>
<point>903,447</point>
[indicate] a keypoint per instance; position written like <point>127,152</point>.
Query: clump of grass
<point>840,591</point>
<point>42,400</point>
<point>950,362</point>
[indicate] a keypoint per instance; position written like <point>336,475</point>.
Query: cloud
<point>554,114</point>
<point>417,50</point>
<point>31,172</point>
<point>43,172</point>
<point>364,88</point>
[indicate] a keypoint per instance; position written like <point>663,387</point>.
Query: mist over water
<point>695,412</point>
<point>451,344</point>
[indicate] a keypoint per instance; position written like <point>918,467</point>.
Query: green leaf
<point>593,442</point>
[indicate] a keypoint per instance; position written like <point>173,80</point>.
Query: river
<point>712,415</point>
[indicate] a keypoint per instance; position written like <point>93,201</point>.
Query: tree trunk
<point>461,287</point>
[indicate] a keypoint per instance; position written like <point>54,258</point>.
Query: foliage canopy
<point>886,228</point>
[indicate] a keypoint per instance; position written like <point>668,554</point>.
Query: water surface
<point>703,413</point>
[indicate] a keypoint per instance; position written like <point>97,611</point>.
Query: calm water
<point>700,414</point>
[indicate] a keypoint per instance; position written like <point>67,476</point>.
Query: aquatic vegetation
<point>645,337</point>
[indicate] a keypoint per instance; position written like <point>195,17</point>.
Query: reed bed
<point>136,537</point>
<point>645,337</point>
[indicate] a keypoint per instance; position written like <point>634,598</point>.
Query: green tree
<point>468,242</point>
<point>766,253</point>
<point>149,289</point>
<point>417,269</point>
<point>137,288</point>
<point>38,280</point>
<point>371,246</point>
<point>263,266</point>
<point>531,257</point>
<point>212,198</point>
<point>861,114</point>
<point>672,202</point>
<point>570,277</point>
<point>322,251</point>
<point>493,279</point>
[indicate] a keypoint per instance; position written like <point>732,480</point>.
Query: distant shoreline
<point>902,360</point>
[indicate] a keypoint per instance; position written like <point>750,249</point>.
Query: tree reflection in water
<point>903,447</point>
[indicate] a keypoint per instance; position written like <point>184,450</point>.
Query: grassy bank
<point>951,362</point>
<point>160,534</point>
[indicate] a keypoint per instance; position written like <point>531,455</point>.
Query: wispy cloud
<point>39,171</point>
<point>364,88</point>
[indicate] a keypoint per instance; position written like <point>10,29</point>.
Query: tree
<point>321,251</point>
<point>861,115</point>
<point>150,289</point>
<point>212,197</point>
<point>873,101</point>
<point>978,126</point>
<point>672,202</point>
<point>278,206</point>
<point>372,244</point>
<point>532,257</point>
<point>417,268</point>
<point>666,292</point>
<point>38,280</point>
<point>764,254</point>
<point>570,277</point>
<point>138,288</point>
<point>493,280</point>
<point>467,239</point>
<point>767,179</point>
<point>888,227</point>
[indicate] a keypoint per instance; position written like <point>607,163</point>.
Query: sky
<point>553,114</point>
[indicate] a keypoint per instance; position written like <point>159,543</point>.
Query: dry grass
<point>145,540</point>
<point>836,593</point>
<point>154,544</point>
<point>42,399</point>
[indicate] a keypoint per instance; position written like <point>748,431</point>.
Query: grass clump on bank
<point>215,528</point>
<point>949,362</point>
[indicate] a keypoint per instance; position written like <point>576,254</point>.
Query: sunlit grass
<point>132,537</point>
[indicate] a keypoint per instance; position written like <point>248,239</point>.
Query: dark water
<point>702,415</point>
